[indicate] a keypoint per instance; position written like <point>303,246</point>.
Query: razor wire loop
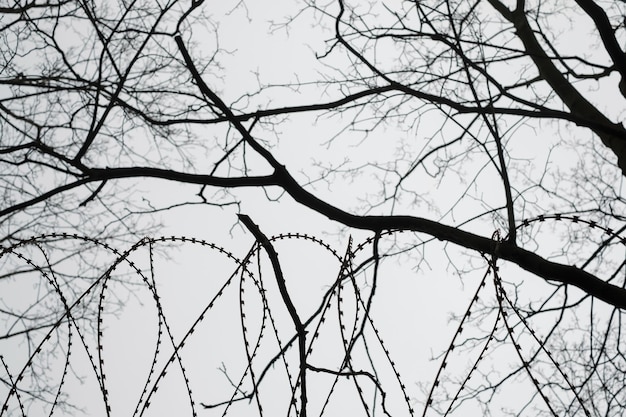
<point>343,282</point>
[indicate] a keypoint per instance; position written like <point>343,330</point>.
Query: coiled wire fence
<point>182,325</point>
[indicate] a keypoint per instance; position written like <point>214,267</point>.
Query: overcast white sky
<point>414,302</point>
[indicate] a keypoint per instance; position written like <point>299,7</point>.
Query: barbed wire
<point>356,328</point>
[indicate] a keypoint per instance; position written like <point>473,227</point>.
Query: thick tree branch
<point>507,251</point>
<point>291,308</point>
<point>606,32</point>
<point>101,174</point>
<point>106,174</point>
<point>612,135</point>
<point>524,259</point>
